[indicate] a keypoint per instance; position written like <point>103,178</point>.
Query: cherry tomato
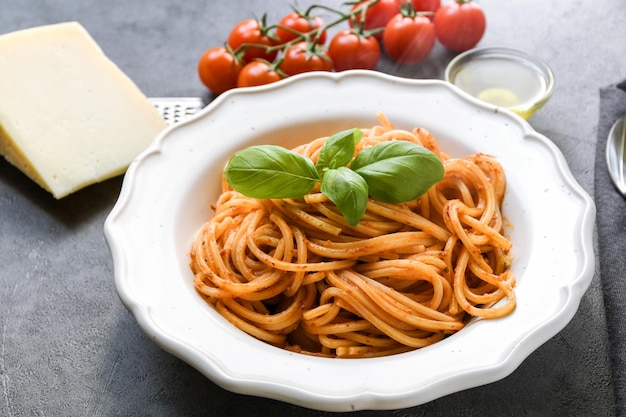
<point>303,57</point>
<point>218,69</point>
<point>293,23</point>
<point>349,50</point>
<point>257,73</point>
<point>252,32</point>
<point>408,40</point>
<point>378,15</point>
<point>460,25</point>
<point>427,6</point>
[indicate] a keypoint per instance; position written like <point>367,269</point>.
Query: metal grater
<point>176,109</point>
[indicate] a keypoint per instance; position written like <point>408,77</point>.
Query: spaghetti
<point>295,274</point>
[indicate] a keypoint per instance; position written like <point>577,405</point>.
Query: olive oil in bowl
<point>503,77</point>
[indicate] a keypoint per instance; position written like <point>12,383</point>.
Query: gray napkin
<point>611,228</point>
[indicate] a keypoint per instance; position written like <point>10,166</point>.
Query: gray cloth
<point>611,227</point>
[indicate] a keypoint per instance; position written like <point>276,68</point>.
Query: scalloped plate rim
<point>358,398</point>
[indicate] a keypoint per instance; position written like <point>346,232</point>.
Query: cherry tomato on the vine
<point>460,25</point>
<point>427,6</point>
<point>349,50</point>
<point>218,69</point>
<point>257,73</point>
<point>408,40</point>
<point>303,57</point>
<point>378,15</point>
<point>294,23</point>
<point>252,32</point>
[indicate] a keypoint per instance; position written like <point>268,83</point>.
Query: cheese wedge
<point>69,117</point>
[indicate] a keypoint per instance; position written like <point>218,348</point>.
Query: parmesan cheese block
<point>69,117</point>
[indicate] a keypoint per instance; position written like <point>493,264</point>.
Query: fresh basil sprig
<point>391,172</point>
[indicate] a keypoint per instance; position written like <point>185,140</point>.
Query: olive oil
<point>503,82</point>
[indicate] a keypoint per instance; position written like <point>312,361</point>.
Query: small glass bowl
<point>504,77</point>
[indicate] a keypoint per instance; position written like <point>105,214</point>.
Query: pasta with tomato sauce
<point>295,274</point>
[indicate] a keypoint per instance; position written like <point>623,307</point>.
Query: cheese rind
<point>69,117</point>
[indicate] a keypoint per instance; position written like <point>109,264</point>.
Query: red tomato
<point>349,50</point>
<point>460,25</point>
<point>218,69</point>
<point>257,73</point>
<point>408,40</point>
<point>252,32</point>
<point>378,15</point>
<point>303,57</point>
<point>426,6</point>
<point>294,23</point>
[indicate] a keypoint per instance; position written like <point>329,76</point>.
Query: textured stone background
<point>69,348</point>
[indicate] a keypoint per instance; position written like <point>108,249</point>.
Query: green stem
<point>310,37</point>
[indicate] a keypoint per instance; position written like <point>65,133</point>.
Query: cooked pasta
<point>295,274</point>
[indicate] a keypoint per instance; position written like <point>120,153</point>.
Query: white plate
<point>168,190</point>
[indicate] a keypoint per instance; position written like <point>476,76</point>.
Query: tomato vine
<point>299,41</point>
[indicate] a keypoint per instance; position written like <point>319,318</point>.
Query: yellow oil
<point>503,82</point>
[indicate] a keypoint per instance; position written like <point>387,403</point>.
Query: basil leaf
<point>398,171</point>
<point>270,171</point>
<point>348,191</point>
<point>338,150</point>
